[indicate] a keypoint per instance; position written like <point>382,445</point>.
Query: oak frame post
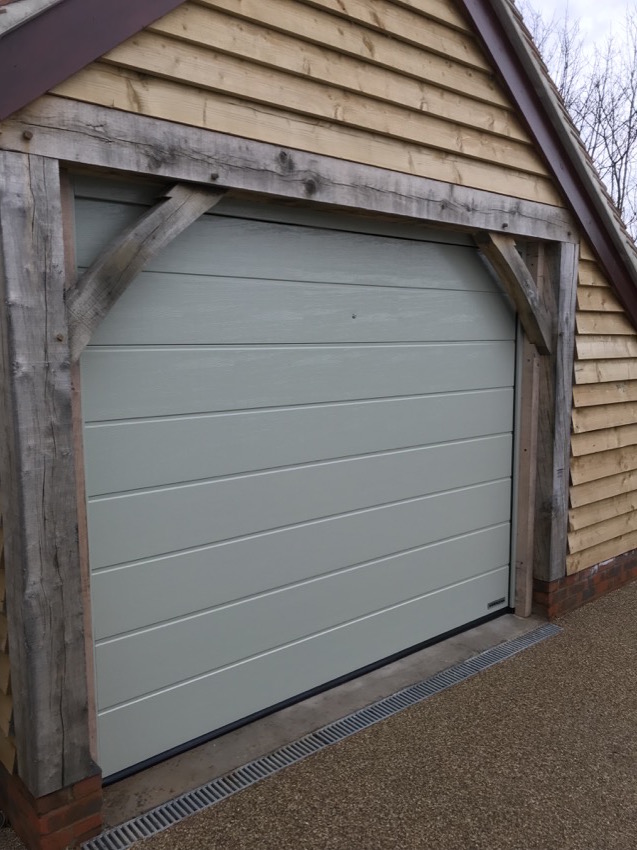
<point>566,270</point>
<point>557,282</point>
<point>38,491</point>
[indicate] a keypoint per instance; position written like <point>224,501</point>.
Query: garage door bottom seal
<point>169,814</point>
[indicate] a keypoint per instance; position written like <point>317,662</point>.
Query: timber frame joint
<point>94,294</point>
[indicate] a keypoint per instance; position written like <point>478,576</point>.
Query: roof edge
<point>63,38</point>
<point>545,116</point>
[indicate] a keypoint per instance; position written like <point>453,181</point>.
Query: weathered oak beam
<point>107,279</point>
<point>38,493</point>
<point>503,257</point>
<point>566,269</point>
<point>82,133</point>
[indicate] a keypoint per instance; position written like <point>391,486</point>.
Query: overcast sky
<point>596,16</point>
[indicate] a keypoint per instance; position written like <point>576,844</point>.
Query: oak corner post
<point>38,489</point>
<point>555,408</point>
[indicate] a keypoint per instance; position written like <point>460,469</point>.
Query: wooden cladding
<point>383,83</point>
<point>603,495</point>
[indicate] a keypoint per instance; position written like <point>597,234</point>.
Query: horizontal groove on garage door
<point>145,453</point>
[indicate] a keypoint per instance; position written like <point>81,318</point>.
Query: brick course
<point>554,598</point>
<point>63,819</point>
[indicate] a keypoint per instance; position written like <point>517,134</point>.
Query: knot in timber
<point>286,161</point>
<point>311,186</point>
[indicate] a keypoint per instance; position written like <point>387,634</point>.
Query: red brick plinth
<point>554,598</point>
<point>63,819</point>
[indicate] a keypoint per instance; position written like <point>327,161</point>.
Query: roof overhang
<point>522,73</point>
<point>51,41</point>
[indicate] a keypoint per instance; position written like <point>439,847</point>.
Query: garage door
<point>298,444</point>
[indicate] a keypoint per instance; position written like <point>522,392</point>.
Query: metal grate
<point>158,819</point>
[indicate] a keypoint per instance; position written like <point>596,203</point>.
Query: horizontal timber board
<point>213,246</point>
<point>603,488</point>
<point>604,323</point>
<point>603,465</point>
<point>152,452</point>
<point>211,701</point>
<point>262,623</point>
<point>600,371</point>
<point>204,69</point>
<point>407,20</point>
<point>247,40</point>
<point>604,440</point>
<point>416,36</point>
<point>168,100</point>
<point>439,10</point>
<point>596,512</point>
<point>612,392</point>
<point>578,561</point>
<point>597,299</point>
<point>186,583</point>
<point>590,274</point>
<point>601,532</point>
<point>75,132</point>
<point>173,381</point>
<point>209,512</point>
<point>605,347</point>
<point>604,416</point>
<point>242,310</point>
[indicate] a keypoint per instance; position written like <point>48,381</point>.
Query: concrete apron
<point>163,782</point>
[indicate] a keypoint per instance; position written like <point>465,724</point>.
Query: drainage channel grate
<point>124,836</point>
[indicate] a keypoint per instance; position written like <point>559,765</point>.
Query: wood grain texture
<point>407,21</point>
<point>597,299</point>
<point>603,488</point>
<point>412,36</point>
<point>602,532</point>
<point>604,416</point>
<point>205,69</point>
<point>602,552</point>
<point>556,278</point>
<point>66,129</point>
<point>588,515</point>
<point>604,464</point>
<point>600,371</point>
<point>138,93</point>
<point>605,347</point>
<point>38,494</point>
<point>218,31</point>
<point>100,286</point>
<point>591,274</point>
<point>604,323</point>
<point>502,255</point>
<point>612,392</point>
<point>604,440</point>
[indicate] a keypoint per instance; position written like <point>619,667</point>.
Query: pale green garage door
<point>298,440</point>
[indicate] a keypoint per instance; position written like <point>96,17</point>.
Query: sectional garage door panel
<point>311,253</point>
<point>139,729</point>
<point>298,451</point>
<point>340,313</point>
<point>124,383</point>
<point>147,453</point>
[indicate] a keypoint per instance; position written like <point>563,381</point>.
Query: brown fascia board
<point>63,39</point>
<point>522,74</point>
